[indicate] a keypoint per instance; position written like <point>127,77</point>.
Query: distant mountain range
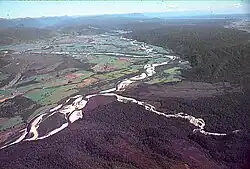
<point>44,22</point>
<point>32,22</point>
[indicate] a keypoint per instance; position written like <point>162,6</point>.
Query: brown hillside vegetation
<point>22,35</point>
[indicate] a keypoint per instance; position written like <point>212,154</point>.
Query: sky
<point>21,9</point>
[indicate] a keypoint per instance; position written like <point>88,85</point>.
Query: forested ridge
<point>215,53</point>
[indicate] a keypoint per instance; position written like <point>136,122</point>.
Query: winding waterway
<point>72,109</point>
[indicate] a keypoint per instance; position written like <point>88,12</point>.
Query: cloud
<point>171,6</point>
<point>237,5</point>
